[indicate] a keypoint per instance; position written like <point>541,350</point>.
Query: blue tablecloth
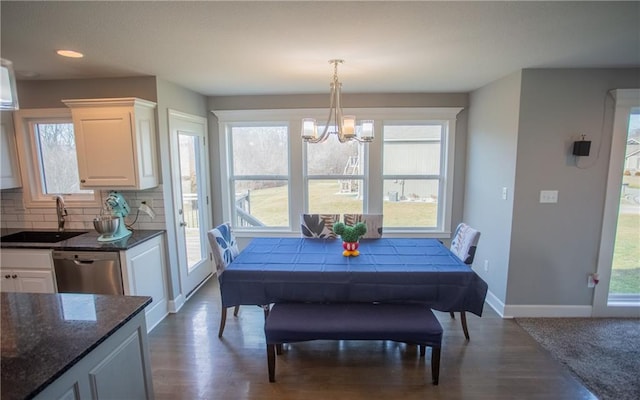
<point>272,270</point>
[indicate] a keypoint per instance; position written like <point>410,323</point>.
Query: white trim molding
<point>546,311</point>
<point>536,310</point>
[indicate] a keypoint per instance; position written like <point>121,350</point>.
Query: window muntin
<point>260,178</point>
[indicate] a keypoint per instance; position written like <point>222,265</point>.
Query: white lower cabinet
<point>28,271</point>
<point>144,274</point>
<point>27,281</point>
<point>119,368</point>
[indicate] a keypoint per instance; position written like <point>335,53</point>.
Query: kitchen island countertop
<point>89,242</point>
<point>44,335</point>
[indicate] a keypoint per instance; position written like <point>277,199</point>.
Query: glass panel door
<point>189,150</point>
<point>189,168</point>
<point>625,269</point>
<point>617,292</point>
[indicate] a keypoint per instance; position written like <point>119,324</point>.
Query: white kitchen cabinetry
<point>144,274</point>
<point>115,143</point>
<point>119,368</point>
<point>9,170</point>
<point>29,271</point>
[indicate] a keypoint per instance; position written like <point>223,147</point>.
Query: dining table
<point>388,270</point>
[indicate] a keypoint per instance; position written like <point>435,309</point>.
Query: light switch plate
<point>548,196</point>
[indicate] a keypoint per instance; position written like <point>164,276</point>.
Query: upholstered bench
<point>298,322</point>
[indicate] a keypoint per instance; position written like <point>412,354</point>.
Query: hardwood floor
<point>500,361</point>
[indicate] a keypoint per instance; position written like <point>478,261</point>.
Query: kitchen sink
<point>40,236</point>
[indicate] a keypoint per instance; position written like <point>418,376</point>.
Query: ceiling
<point>242,48</point>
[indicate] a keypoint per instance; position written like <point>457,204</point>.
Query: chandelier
<point>344,126</point>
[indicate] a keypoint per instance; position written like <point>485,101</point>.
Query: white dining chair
<point>464,245</point>
<point>225,250</point>
<point>318,226</point>
<point>372,221</point>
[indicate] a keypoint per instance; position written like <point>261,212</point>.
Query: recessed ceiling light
<point>70,53</point>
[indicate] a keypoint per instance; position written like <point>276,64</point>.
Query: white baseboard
<point>536,311</point>
<point>173,306</point>
<point>546,311</point>
<point>495,303</point>
<point>155,315</point>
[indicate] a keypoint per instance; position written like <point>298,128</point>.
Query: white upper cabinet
<point>115,142</point>
<point>9,170</point>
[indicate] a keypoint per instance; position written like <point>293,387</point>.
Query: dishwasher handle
<point>83,262</point>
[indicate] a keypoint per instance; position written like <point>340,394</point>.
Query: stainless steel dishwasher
<point>95,272</point>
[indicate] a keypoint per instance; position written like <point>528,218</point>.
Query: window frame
<point>30,167</point>
<point>447,153</point>
<point>373,161</point>
<point>233,178</point>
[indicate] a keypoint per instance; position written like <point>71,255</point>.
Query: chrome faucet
<point>61,211</point>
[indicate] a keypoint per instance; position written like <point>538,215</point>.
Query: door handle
<point>183,224</point>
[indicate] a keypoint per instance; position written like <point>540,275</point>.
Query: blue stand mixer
<point>118,207</point>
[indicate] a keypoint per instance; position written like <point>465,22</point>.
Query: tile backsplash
<point>13,214</point>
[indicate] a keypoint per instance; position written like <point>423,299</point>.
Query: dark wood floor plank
<point>500,361</point>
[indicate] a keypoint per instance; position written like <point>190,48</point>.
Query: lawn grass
<point>271,206</point>
<point>625,273</point>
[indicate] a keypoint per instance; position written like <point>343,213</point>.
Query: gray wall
<point>555,246</point>
<point>491,165</point>
<point>172,96</point>
<point>520,134</point>
<point>49,93</point>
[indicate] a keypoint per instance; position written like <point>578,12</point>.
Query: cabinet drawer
<point>26,259</point>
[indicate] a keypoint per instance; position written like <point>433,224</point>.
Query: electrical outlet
<point>590,282</point>
<point>486,265</point>
<point>147,201</point>
<point>548,196</point>
<point>504,193</point>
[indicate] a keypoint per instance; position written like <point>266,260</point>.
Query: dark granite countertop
<point>43,335</point>
<point>88,242</point>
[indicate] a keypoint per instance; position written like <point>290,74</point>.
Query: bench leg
<point>435,364</point>
<point>271,362</point>
<point>463,320</point>
<point>423,349</point>
<point>279,349</point>
<point>235,311</point>
<point>453,316</point>
<point>223,320</point>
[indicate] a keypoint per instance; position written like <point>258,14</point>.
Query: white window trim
<point>29,166</point>
<point>445,177</point>
<point>227,121</point>
<point>373,158</point>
